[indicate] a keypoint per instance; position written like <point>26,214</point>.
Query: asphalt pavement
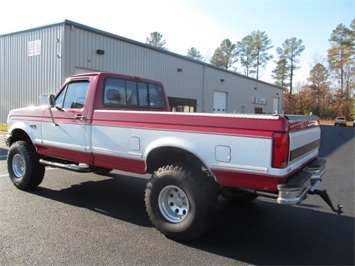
<point>87,219</point>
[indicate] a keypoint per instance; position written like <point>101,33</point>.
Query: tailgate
<point>304,138</point>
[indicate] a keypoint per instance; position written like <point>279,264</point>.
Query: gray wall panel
<point>24,78</point>
<point>126,58</point>
<point>68,48</point>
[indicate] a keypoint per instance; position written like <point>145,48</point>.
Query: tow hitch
<point>324,195</point>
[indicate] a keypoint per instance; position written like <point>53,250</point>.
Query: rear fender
<point>174,143</point>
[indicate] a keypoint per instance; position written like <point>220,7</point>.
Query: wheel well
<point>168,155</point>
<point>19,134</point>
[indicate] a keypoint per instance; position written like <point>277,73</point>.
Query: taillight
<point>280,149</point>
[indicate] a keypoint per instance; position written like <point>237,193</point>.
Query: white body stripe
<point>248,154</point>
<point>251,154</point>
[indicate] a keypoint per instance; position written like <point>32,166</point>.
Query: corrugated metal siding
<point>24,78</point>
<point>69,47</point>
<point>196,81</point>
<point>127,58</point>
<point>241,91</point>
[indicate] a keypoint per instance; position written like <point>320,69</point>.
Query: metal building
<point>35,62</point>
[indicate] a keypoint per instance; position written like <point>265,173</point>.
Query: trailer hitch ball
<point>340,209</point>
<point>324,195</point>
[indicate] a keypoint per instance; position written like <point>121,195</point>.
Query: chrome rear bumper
<point>301,183</point>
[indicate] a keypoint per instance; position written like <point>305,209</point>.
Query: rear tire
<point>181,203</point>
<point>23,165</point>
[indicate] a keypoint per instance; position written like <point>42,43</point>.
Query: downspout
<point>203,88</point>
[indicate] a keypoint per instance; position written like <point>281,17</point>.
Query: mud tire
<point>181,202</point>
<point>23,166</point>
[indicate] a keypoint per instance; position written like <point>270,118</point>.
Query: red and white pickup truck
<point>103,121</point>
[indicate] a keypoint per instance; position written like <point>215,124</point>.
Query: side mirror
<point>51,99</point>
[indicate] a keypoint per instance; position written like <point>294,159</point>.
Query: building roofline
<point>121,38</point>
<point>36,28</point>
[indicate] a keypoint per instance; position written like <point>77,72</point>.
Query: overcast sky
<point>194,23</point>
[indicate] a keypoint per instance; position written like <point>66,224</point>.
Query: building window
<point>182,104</point>
<point>258,110</point>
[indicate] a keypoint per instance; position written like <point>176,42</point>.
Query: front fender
<point>26,123</point>
<point>22,130</point>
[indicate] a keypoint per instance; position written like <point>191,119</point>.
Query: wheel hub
<point>18,165</point>
<point>178,202</point>
<point>173,204</point>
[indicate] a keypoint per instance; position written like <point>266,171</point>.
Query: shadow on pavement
<point>121,197</point>
<point>264,233</point>
<point>3,154</point>
<point>260,233</point>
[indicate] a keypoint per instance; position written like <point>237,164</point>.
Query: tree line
<point>329,89</point>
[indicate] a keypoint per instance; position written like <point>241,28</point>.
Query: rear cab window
<point>132,94</point>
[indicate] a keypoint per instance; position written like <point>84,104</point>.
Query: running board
<point>74,168</point>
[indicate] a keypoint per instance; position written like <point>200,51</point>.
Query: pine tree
<point>156,40</point>
<point>318,89</point>
<point>261,44</point>
<point>195,54</point>
<point>245,49</point>
<point>225,55</point>
<point>281,73</point>
<point>291,49</point>
<point>341,57</point>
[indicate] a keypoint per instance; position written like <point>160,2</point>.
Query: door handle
<point>80,117</point>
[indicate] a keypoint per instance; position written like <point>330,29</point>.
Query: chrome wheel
<point>173,204</point>
<point>18,166</point>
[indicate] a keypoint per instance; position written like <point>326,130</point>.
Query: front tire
<point>181,203</point>
<point>23,165</point>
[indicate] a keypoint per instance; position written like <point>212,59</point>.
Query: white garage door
<point>219,102</point>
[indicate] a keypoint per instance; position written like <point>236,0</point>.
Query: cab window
<point>73,96</point>
<point>156,97</point>
<point>127,93</point>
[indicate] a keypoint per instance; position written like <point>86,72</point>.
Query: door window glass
<point>73,96</point>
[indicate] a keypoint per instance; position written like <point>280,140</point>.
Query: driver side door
<point>66,138</point>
